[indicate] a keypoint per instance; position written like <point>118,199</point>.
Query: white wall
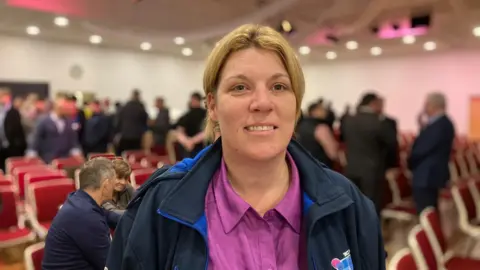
<point>113,73</point>
<point>109,73</point>
<point>403,81</point>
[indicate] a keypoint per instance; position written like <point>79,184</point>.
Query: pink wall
<point>403,81</point>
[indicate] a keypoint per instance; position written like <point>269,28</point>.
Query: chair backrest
<point>474,186</point>
<point>6,180</point>
<point>8,213</point>
<point>104,155</point>
<point>13,163</point>
<point>35,177</point>
<point>33,256</point>
<point>421,249</point>
<point>61,163</point>
<point>47,196</point>
<point>22,171</point>
<point>134,155</point>
<point>464,203</point>
<point>399,185</point>
<point>402,260</point>
<point>430,221</point>
<point>139,177</point>
<point>136,166</point>
<point>154,160</point>
<point>462,166</point>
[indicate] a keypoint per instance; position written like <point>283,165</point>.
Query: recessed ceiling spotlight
<point>409,39</point>
<point>33,30</point>
<point>146,46</point>
<point>476,31</point>
<point>352,45</point>
<point>61,21</point>
<point>376,51</point>
<point>179,40</point>
<point>429,46</point>
<point>96,39</point>
<point>331,55</point>
<point>187,51</point>
<point>304,50</point>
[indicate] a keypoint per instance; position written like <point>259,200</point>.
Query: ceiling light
<point>61,21</point>
<point>376,51</point>
<point>286,26</point>
<point>95,39</point>
<point>304,50</point>
<point>187,51</point>
<point>352,45</point>
<point>430,46</point>
<point>476,31</point>
<point>33,30</point>
<point>331,55</point>
<point>146,46</point>
<point>179,40</point>
<point>409,39</point>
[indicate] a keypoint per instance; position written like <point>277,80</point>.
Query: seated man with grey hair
<point>79,237</point>
<point>431,152</point>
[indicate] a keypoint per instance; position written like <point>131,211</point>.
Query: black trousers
<point>372,187</point>
<point>425,197</point>
<point>128,144</point>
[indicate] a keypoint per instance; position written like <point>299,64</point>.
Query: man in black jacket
<point>132,124</point>
<point>366,137</point>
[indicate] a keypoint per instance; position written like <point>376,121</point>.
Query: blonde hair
<point>248,36</point>
<point>122,169</point>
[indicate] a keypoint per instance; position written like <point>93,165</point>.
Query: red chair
<point>467,213</point>
<point>46,198</point>
<point>12,224</point>
<point>104,155</point>
<point>13,163</point>
<point>136,166</point>
<point>402,207</point>
<point>134,156</point>
<point>35,177</point>
<point>139,177</point>
<point>430,221</point>
<point>153,161</point>
<point>425,256</point>
<point>61,163</point>
<point>6,180</point>
<point>20,173</point>
<point>403,260</point>
<point>33,256</point>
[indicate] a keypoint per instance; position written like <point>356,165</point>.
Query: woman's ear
<point>212,107</point>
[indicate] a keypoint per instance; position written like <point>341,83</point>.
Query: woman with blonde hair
<point>255,199</point>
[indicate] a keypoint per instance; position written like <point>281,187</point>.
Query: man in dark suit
<point>392,159</point>
<point>431,152</point>
<point>132,124</point>
<point>366,137</point>
<point>14,132</point>
<point>12,135</point>
<point>54,135</point>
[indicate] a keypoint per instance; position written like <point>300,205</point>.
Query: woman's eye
<point>239,87</point>
<point>279,87</point>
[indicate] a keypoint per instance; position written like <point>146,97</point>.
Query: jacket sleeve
<point>121,256</point>
<point>369,233</point>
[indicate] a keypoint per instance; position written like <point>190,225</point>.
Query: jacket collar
<point>186,201</point>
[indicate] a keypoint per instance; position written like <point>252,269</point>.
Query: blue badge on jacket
<point>343,264</point>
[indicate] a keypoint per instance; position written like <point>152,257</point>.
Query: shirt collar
<point>232,207</point>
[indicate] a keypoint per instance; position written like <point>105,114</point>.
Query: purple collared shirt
<point>239,238</point>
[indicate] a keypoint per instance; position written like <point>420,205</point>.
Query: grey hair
<point>437,99</point>
<point>94,172</point>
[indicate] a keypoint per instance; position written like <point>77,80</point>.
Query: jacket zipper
<point>190,226</point>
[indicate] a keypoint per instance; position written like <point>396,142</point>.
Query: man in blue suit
<point>431,152</point>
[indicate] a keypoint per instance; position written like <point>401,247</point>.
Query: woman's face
<point>254,105</point>
<point>120,184</point>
